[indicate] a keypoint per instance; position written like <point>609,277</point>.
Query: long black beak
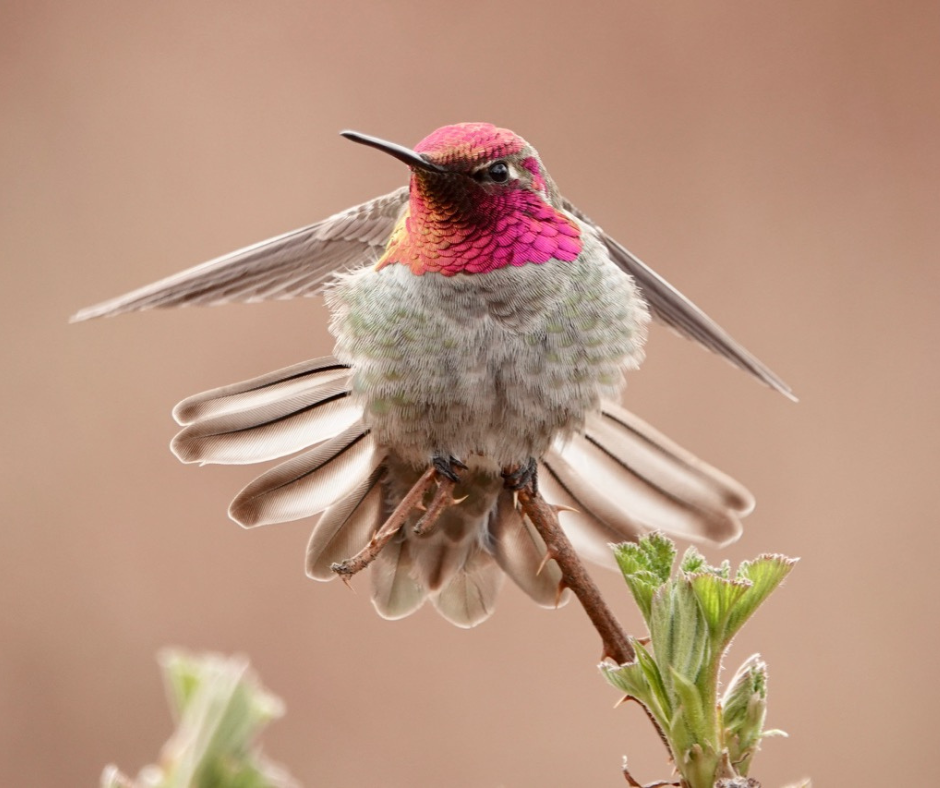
<point>400,152</point>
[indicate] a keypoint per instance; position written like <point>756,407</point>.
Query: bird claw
<point>443,497</point>
<point>523,476</point>
<point>350,566</point>
<point>448,467</point>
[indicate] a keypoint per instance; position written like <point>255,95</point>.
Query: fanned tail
<point>625,478</point>
<point>622,478</point>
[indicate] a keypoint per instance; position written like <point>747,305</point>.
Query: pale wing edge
<point>299,261</point>
<point>674,309</point>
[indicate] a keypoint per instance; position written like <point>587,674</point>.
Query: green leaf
<point>693,562</point>
<point>716,598</point>
<point>653,553</point>
<point>749,680</point>
<point>220,708</point>
<point>692,619</point>
<point>181,677</point>
<point>692,713</point>
<point>654,678</point>
<point>629,678</point>
<point>678,632</point>
<point>764,574</point>
<point>641,679</point>
<point>646,565</point>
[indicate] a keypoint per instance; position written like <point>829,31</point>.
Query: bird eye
<point>498,172</point>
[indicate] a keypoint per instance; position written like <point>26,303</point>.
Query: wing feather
<point>289,265</point>
<point>675,310</point>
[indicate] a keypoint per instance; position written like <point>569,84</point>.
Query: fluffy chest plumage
<point>490,366</point>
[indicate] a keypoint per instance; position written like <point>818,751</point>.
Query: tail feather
<point>624,465</point>
<point>650,507</point>
<point>346,527</point>
<point>310,482</point>
<point>590,530</point>
<point>520,553</point>
<point>437,558</point>
<point>261,391</point>
<point>470,596</point>
<point>269,430</point>
<point>664,463</point>
<point>396,593</point>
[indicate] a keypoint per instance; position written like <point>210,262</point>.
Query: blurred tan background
<point>778,162</point>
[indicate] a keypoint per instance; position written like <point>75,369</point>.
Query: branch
<point>574,576</point>
<point>386,533</point>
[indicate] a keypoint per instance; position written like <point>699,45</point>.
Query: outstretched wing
<point>297,264</point>
<point>293,264</point>
<point>675,310</point>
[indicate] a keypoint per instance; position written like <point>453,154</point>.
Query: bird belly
<point>488,368</point>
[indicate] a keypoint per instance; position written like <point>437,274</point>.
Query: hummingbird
<point>483,328</point>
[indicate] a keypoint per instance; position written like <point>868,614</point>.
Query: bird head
<point>479,200</point>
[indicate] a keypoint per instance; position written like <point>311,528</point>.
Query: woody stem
<point>574,576</point>
<point>387,532</point>
<point>443,498</point>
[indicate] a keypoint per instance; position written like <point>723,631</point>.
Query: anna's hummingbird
<point>483,325</point>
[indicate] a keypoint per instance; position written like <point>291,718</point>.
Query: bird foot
<point>523,476</point>
<point>444,471</point>
<point>447,467</point>
<point>443,497</point>
<point>390,527</point>
<point>447,479</point>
